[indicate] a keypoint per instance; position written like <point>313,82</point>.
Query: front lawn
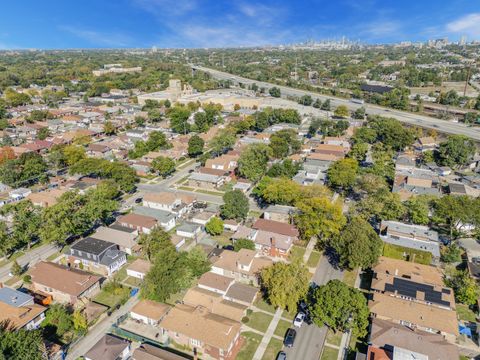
<point>334,338</point>
<point>297,252</point>
<point>274,346</point>
<point>263,305</point>
<point>282,328</point>
<point>252,340</point>
<point>397,252</point>
<point>329,353</point>
<point>349,277</point>
<point>314,259</point>
<point>258,321</point>
<point>113,294</point>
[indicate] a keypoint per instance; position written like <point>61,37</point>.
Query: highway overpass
<point>426,122</point>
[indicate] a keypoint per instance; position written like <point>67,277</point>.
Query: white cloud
<point>466,25</point>
<point>99,38</point>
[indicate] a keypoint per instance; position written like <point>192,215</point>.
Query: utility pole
<point>223,60</point>
<point>466,80</point>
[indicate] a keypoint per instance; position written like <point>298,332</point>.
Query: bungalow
<point>19,311</point>
<point>215,282</point>
<point>164,218</point>
<point>149,312</point>
<point>98,151</point>
<point>46,198</point>
<point>206,181</point>
<point>279,213</point>
<point>109,347</point>
<point>410,236</point>
<point>63,284</point>
<point>224,162</point>
<point>178,204</point>
<point>203,217</point>
<point>139,268</point>
<point>189,230</point>
<point>141,223</point>
<point>213,335</point>
<point>97,255</point>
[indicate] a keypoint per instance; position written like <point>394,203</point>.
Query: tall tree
<point>340,307</point>
<point>163,165</point>
<point>358,245</point>
<point>20,344</point>
<point>195,146</point>
<point>342,173</point>
<point>456,151</point>
<point>252,163</point>
<point>235,205</point>
<point>285,284</point>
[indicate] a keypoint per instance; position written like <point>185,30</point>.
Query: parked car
<point>138,200</point>
<point>302,305</point>
<point>281,356</point>
<point>298,321</point>
<point>289,337</point>
<point>229,247</point>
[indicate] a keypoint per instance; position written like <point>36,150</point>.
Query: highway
<point>426,122</point>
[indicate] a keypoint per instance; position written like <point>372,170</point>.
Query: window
<point>195,342</point>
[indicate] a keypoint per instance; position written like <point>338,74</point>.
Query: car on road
<point>281,356</point>
<point>298,321</point>
<point>138,200</point>
<point>289,337</point>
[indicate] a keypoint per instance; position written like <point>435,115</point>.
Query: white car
<point>299,319</point>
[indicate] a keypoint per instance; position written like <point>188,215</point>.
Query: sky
<point>65,24</point>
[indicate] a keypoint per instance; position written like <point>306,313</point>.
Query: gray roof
<point>205,177</point>
<point>280,209</point>
<point>109,347</point>
<point>410,230</point>
<point>92,246</point>
<point>161,215</point>
<point>14,297</point>
<point>188,227</point>
<point>242,292</point>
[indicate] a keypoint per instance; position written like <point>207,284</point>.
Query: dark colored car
<point>229,247</point>
<point>281,356</point>
<point>289,337</point>
<point>138,200</point>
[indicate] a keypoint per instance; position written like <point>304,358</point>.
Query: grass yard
<point>258,321</point>
<point>314,258</point>
<point>465,314</point>
<point>182,180</point>
<point>297,252</point>
<point>274,346</point>
<point>186,188</point>
<point>334,338</point>
<point>215,193</point>
<point>289,315</point>
<point>252,340</point>
<point>223,238</point>
<point>349,277</point>
<point>263,305</point>
<point>329,353</point>
<point>255,214</point>
<point>13,280</point>
<point>397,252</point>
<point>110,299</point>
<point>132,281</point>
<point>53,256</point>
<point>282,328</point>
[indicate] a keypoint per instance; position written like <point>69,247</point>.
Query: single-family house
<point>164,218</point>
<point>19,311</point>
<point>125,241</point>
<point>139,268</point>
<point>149,312</point>
<point>109,347</point>
<point>189,229</point>
<point>64,284</point>
<point>97,255</point>
<point>141,223</point>
<point>206,181</point>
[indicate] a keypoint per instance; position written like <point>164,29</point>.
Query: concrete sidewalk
<point>268,335</point>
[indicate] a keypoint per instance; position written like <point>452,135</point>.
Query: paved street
<point>99,330</point>
<point>406,117</point>
<point>29,259</point>
<point>310,338</point>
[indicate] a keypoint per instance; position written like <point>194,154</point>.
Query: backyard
<point>402,253</point>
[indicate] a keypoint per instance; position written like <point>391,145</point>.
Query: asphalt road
<point>29,259</point>
<point>427,122</point>
<point>310,338</point>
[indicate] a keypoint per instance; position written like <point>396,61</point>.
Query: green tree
<point>284,142</point>
<point>359,113</point>
<point>58,321</point>
<point>319,217</point>
<point>326,106</point>
<point>280,191</point>
<point>109,128</point>
<point>74,154</point>
<point>342,173</point>
<point>465,288</point>
<point>16,269</point>
<point>456,151</point>
<point>243,244</point>
<point>197,261</point>
<point>43,133</point>
<point>418,208</point>
<point>178,116</point>
<point>80,323</point>
<point>359,151</point>
<point>285,284</point>
<point>195,146</point>
<point>163,165</point>
<point>287,168</point>
<point>20,344</point>
<point>252,163</point>
<point>154,242</point>
<point>235,205</point>
<point>223,141</point>
<point>358,245</point>
<point>342,111</point>
<point>340,307</point>
<point>275,92</point>
<point>214,226</point>
<point>455,212</point>
<point>451,253</point>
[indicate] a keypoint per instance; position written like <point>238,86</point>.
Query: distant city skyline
<point>57,24</point>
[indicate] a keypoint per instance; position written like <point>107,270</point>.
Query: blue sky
<point>57,24</point>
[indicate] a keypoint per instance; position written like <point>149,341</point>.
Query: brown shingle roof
<point>138,220</point>
<point>19,316</point>
<point>276,227</point>
<point>215,281</point>
<point>151,309</point>
<point>109,347</point>
<point>69,281</point>
<point>200,324</point>
<point>140,265</point>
